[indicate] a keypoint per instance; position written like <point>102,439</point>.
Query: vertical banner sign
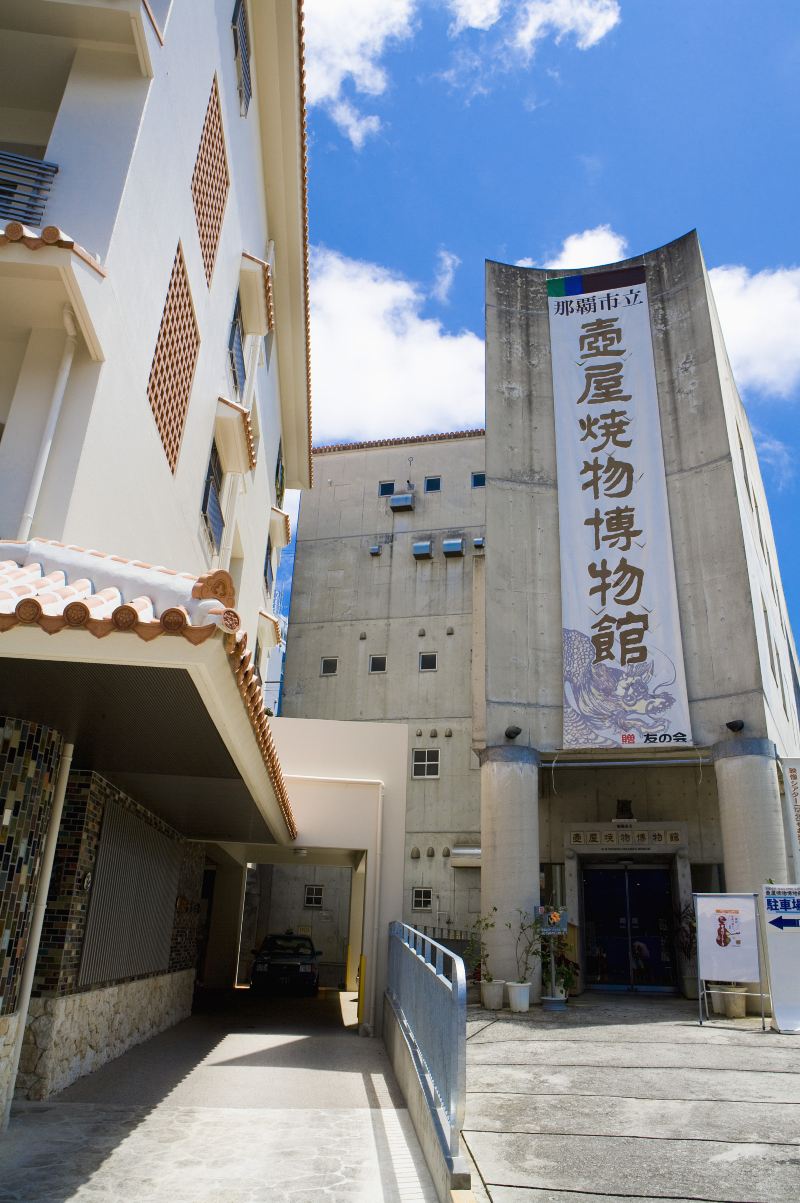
<point>624,682</point>
<point>727,937</point>
<point>791,783</point>
<point>782,914</point>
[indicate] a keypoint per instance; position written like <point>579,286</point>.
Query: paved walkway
<point>267,1101</point>
<point>625,1099</point>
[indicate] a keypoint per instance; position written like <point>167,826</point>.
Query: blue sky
<point>565,132</point>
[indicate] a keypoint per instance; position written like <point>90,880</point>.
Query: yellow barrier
<point>362,986</point>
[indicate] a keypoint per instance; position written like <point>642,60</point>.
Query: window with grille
<point>269,574</point>
<point>313,897</point>
<point>174,362</point>
<point>421,898</point>
<point>210,182</point>
<point>280,479</point>
<point>425,762</point>
<point>433,484</point>
<point>386,488</point>
<point>329,666</point>
<point>428,662</point>
<point>241,46</point>
<point>479,480</point>
<point>377,664</point>
<point>236,347</point>
<point>212,499</point>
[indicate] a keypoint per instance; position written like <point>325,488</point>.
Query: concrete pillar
<point>751,817</point>
<point>509,846</point>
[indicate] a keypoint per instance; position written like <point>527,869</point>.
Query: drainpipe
<point>46,443</point>
<point>37,919</point>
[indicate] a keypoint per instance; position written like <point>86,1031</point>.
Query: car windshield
<point>293,944</point>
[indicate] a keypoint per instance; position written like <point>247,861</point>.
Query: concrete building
<point>154,404</point>
<point>556,765</point>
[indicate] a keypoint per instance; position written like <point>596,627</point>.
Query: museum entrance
<point>628,925</point>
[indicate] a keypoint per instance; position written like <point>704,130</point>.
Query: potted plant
<point>528,949</point>
<point>559,975</point>
<point>478,953</point>
<point>735,1001</point>
<point>686,939</point>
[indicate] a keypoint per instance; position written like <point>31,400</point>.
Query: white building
<point>154,404</point>
<point>611,774</point>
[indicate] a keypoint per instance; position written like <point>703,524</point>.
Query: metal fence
<point>427,986</point>
<point>24,187</point>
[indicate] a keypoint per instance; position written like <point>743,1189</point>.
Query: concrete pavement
<point>629,1099</point>
<point>260,1101</point>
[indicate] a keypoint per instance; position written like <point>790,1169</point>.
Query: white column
<point>509,846</point>
<point>750,812</point>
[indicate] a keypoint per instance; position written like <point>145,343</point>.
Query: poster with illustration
<point>727,938</point>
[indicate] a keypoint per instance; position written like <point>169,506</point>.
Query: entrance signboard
<point>727,937</point>
<point>782,915</point>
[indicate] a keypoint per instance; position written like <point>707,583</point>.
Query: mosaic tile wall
<point>29,758</point>
<point>63,933</point>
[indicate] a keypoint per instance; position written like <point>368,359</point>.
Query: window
<point>386,488</point>
<point>212,494</point>
<point>433,484</point>
<point>425,762</point>
<point>428,662</point>
<point>313,897</point>
<point>377,664</point>
<point>479,480</point>
<point>257,661</point>
<point>236,347</point>
<point>329,666</point>
<point>269,575</point>
<point>421,898</point>
<point>280,478</point>
<point>241,45</point>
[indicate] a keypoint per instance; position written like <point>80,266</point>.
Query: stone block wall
<point>69,1036</point>
<point>184,949</point>
<point>29,758</point>
<point>8,1034</point>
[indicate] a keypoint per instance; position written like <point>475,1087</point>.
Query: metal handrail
<point>428,990</point>
<point>24,187</point>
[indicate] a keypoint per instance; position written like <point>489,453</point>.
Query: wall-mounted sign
<point>782,915</point>
<point>633,838</point>
<point>624,683</point>
<point>727,937</point>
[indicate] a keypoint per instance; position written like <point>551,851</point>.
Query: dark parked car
<point>285,963</point>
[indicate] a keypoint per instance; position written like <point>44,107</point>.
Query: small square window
<point>421,898</point>
<point>425,762</point>
<point>377,664</point>
<point>428,662</point>
<point>329,666</point>
<point>479,480</point>
<point>433,484</point>
<point>313,897</point>
<point>386,488</point>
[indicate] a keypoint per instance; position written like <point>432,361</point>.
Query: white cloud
<point>379,367</point>
<point>474,14</point>
<point>345,40</point>
<point>590,248</point>
<point>445,274</point>
<point>526,262</point>
<point>760,317</point>
<point>778,456</point>
<point>588,20</point>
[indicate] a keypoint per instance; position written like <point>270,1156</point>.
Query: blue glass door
<point>628,927</point>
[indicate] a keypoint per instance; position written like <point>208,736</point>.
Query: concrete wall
<point>349,604</point>
<point>327,926</point>
<point>68,1037</point>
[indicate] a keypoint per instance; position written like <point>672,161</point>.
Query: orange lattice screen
<point>210,182</point>
<point>174,361</point>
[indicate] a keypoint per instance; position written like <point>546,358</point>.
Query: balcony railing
<point>24,188</point>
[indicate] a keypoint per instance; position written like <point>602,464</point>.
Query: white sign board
<point>782,915</point>
<point>727,937</point>
<point>624,682</point>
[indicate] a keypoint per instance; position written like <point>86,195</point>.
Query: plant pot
<point>717,1001</point>
<point>492,995</point>
<point>735,1004</point>
<point>556,1000</point>
<point>519,996</point>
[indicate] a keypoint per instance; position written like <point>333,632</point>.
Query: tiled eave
<point>401,442</point>
<point>57,587</point>
<point>301,50</point>
<point>15,232</point>
<point>247,428</point>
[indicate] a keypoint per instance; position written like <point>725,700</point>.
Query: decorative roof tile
<point>34,240</point>
<point>301,50</point>
<point>401,442</point>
